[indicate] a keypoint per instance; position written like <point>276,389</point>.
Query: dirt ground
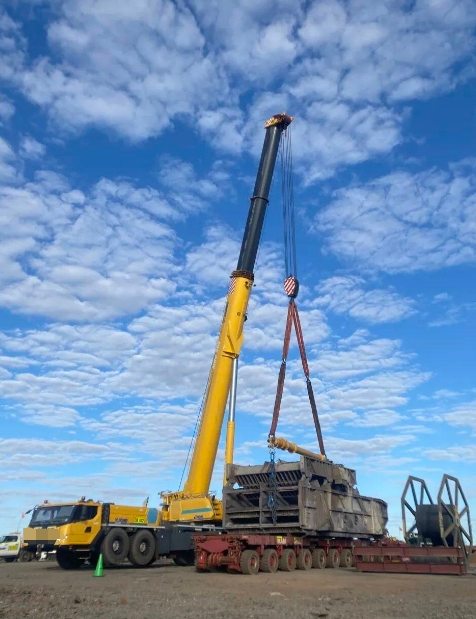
<point>42,590</point>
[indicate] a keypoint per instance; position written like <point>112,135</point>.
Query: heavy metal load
<point>445,522</point>
<point>438,535</point>
<point>309,516</point>
<point>312,498</point>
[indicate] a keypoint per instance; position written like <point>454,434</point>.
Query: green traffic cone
<point>99,567</point>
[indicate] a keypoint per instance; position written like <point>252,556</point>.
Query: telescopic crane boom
<point>194,501</point>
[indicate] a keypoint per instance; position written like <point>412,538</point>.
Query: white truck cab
<point>10,546</point>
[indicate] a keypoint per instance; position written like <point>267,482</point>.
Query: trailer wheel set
<point>250,554</point>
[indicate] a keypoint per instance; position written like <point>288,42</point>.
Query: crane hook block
<point>291,287</point>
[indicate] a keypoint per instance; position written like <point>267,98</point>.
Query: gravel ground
<point>42,590</point>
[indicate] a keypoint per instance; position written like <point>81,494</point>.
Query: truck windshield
<point>49,516</point>
<point>8,538</point>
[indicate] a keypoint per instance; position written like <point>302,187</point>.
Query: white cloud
<point>361,358</point>
<point>390,49</point>
<point>450,312</point>
<point>347,295</point>
<point>254,41</point>
<point>403,222</point>
<point>347,449</point>
<point>31,148</point>
<point>133,68</point>
<point>379,418</point>
<point>462,415</point>
<point>7,161</point>
<point>12,46</point>
<point>104,253</point>
<point>344,72</point>
<point>43,453</point>
<point>342,67</point>
<point>213,261</point>
<point>458,453</point>
<point>7,109</point>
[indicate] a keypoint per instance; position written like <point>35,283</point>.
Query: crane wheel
<point>269,561</point>
<point>142,548</point>
<point>68,560</point>
<point>319,558</point>
<point>185,558</point>
<point>304,559</point>
<point>115,546</point>
<point>249,562</point>
<point>333,558</point>
<point>287,560</point>
<point>347,558</point>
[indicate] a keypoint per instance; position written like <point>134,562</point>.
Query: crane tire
<point>142,548</point>
<point>68,560</point>
<point>185,558</point>
<point>115,546</point>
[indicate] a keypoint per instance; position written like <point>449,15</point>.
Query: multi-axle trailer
<point>319,516</point>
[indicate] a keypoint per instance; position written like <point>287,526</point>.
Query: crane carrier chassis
<point>319,515</point>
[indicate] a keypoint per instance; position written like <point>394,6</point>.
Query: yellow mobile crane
<point>194,502</point>
<point>140,534</point>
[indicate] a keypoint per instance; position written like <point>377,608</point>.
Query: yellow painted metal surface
<point>79,533</point>
<point>84,532</point>
<point>184,508</point>
<point>229,446</point>
<point>229,345</point>
<point>282,443</point>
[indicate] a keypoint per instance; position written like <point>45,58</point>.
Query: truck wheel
<point>347,558</point>
<point>25,556</point>
<point>115,546</point>
<point>185,558</point>
<point>68,560</point>
<point>200,561</point>
<point>269,561</point>
<point>142,548</point>
<point>249,562</point>
<point>319,558</point>
<point>287,560</point>
<point>304,559</point>
<point>333,558</point>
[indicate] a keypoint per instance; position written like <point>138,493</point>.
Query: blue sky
<point>129,137</point>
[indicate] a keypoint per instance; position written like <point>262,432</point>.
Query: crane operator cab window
<point>58,515</point>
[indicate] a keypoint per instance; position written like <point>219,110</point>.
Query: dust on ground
<point>43,590</point>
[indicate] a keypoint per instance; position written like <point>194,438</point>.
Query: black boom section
<point>259,199</point>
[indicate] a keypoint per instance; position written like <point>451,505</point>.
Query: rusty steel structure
<point>438,535</point>
<point>400,557</point>
<point>313,497</point>
<point>313,520</point>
